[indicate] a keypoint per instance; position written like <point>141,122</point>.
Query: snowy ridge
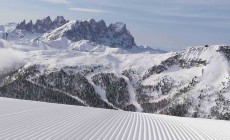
<point>70,65</point>
<point>200,62</point>
<point>34,120</point>
<point>59,31</point>
<point>114,35</point>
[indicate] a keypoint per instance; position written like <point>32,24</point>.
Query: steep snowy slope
<point>29,120</point>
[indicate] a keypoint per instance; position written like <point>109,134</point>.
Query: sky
<point>165,24</point>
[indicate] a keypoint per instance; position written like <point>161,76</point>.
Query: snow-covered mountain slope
<point>35,120</point>
<point>193,82</point>
<point>106,77</point>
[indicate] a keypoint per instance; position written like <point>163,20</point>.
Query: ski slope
<point>29,120</point>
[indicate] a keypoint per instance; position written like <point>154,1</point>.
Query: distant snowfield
<point>61,53</point>
<point>30,120</point>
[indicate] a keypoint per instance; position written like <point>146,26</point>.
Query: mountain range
<point>88,63</point>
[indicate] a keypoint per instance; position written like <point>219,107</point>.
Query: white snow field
<point>29,120</point>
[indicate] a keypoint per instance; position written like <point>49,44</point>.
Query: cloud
<point>88,10</point>
<point>10,59</point>
<point>57,1</point>
<point>200,2</point>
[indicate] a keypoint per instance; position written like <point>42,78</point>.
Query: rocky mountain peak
<point>92,21</point>
<point>118,27</point>
<point>42,25</point>
<point>59,21</point>
<point>21,25</point>
<point>114,35</point>
<point>47,19</point>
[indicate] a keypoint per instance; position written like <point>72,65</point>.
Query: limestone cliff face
<point>43,25</point>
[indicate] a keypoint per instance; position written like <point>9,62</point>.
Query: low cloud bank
<point>10,59</point>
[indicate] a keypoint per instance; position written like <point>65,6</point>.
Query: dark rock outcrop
<point>115,35</point>
<point>42,26</point>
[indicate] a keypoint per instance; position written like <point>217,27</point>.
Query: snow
<point>118,26</point>
<point>99,90</point>
<point>65,53</point>
<point>61,52</point>
<point>57,90</point>
<point>57,33</point>
<point>179,75</point>
<point>216,72</point>
<point>8,27</point>
<point>86,46</point>
<point>36,120</point>
<point>55,52</point>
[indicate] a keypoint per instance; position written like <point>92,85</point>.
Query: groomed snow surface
<point>30,120</point>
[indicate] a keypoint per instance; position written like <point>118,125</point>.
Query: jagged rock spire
<point>115,35</point>
<point>42,25</point>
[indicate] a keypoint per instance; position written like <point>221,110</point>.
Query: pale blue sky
<point>165,24</point>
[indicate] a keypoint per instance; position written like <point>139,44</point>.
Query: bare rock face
<point>58,22</point>
<point>22,25</point>
<point>115,35</point>
<point>43,25</point>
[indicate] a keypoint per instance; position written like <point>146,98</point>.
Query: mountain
<point>36,120</point>
<point>41,26</point>
<point>54,67</point>
<point>114,35</point>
